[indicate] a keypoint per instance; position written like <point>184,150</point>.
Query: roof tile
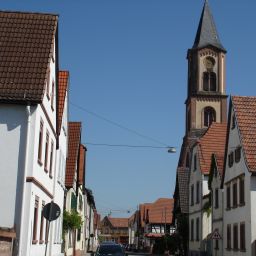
<point>26,41</point>
<point>63,87</point>
<point>213,142</point>
<point>245,111</point>
<point>74,137</point>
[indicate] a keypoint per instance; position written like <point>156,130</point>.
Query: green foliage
<point>207,208</point>
<point>182,234</point>
<point>71,220</point>
<point>168,242</point>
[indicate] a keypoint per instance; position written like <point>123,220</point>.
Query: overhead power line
<point>123,145</point>
<point>117,124</point>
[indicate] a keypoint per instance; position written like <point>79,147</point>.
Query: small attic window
<point>237,154</point>
<point>230,159</point>
<point>233,122</point>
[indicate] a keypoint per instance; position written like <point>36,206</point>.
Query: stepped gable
<point>213,142</point>
<point>63,87</point>
<point>74,137</point>
<point>245,113</point>
<point>27,42</point>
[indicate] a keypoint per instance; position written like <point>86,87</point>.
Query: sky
<point>128,81</point>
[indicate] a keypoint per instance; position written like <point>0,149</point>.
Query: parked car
<point>108,249</point>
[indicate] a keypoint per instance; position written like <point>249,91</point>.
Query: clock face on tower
<point>209,63</point>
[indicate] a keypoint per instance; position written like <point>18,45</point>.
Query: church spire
<point>207,33</point>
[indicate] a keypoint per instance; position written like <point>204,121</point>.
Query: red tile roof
<point>63,87</point>
<point>26,49</point>
<point>81,174</point>
<point>213,142</point>
<point>183,180</point>
<point>74,137</point>
<point>119,222</point>
<point>245,112</point>
<point>161,211</point>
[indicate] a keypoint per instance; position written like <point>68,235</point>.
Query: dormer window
<point>230,159</point>
<point>237,154</point>
<point>233,122</point>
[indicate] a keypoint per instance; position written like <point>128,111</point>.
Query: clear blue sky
<point>127,60</point>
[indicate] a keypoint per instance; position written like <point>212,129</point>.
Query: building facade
<point>29,126</point>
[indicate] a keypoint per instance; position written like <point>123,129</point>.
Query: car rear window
<point>110,249</point>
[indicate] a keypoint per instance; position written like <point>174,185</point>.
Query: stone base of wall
<point>5,246</point>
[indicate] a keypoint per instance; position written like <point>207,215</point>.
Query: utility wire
<point>123,145</point>
<point>117,124</point>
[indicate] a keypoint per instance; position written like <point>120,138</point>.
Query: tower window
<point>209,77</point>
<point>209,116</point>
<point>209,81</point>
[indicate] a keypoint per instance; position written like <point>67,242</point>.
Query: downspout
<point>57,156</point>
<point>28,112</point>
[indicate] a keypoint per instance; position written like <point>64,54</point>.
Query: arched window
<point>209,77</point>
<point>209,116</point>
<point>209,81</point>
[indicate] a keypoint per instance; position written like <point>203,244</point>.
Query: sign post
<point>216,236</point>
<point>51,211</point>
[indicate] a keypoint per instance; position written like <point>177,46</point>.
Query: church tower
<point>206,96</point>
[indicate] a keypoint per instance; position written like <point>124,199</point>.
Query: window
<point>42,224</point>
<point>51,158</point>
<point>228,197</point>
<point>237,154</point>
<point>241,191</point>
<point>234,195</point>
<point>197,192</point>
<point>40,140</point>
<point>192,194</point>
<point>192,230</point>
<point>195,162</point>
<point>242,236</point>
<point>235,237</point>
<point>233,122</point>
<point>52,96</point>
<point>230,159</point>
<point>209,81</point>
<point>48,85</point>
<point>197,229</point>
<point>229,236</point>
<point>46,152</point>
<point>209,116</point>
<point>35,220</point>
<point>73,201</point>
<point>216,198</point>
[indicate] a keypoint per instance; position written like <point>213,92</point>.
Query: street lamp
<point>171,150</point>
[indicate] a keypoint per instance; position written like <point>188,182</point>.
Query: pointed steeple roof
<point>207,33</point>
